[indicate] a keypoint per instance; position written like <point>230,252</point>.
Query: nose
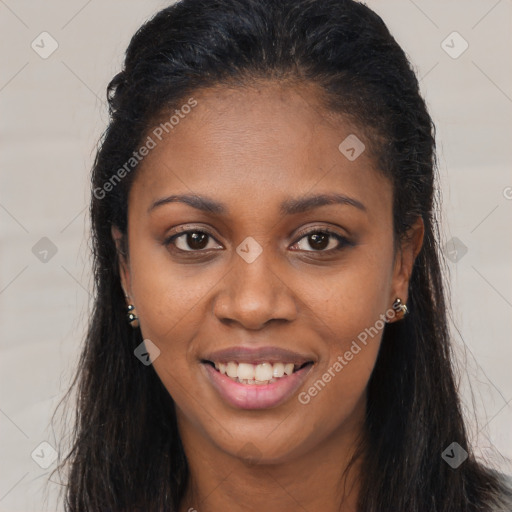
<point>254,294</point>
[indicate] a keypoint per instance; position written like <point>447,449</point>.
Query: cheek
<point>171,309</point>
<point>348,314</point>
<point>351,298</point>
<point>336,393</point>
<point>169,299</point>
<point>173,305</point>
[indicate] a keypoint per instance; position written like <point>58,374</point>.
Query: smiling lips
<point>250,378</point>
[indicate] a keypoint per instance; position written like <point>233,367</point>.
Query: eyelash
<point>342,241</point>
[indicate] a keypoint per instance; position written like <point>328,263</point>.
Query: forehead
<point>258,141</point>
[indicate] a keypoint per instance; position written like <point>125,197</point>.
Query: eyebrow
<point>288,207</point>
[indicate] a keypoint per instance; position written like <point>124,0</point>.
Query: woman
<point>269,328</point>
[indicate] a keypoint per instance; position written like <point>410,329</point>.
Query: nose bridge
<point>252,292</point>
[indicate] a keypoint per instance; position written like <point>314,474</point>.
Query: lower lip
<point>256,396</point>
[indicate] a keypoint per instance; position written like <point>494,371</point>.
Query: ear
<point>122,259</point>
<point>408,249</point>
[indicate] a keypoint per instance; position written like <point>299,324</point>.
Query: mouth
<point>250,377</point>
<point>256,374</point>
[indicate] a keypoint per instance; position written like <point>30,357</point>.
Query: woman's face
<point>263,177</point>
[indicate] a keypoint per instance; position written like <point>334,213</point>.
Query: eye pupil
<point>197,240</point>
<point>319,240</point>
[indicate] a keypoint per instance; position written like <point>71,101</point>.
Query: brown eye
<point>192,241</point>
<point>321,241</point>
<point>318,240</point>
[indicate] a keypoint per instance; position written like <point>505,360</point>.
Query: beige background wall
<point>52,113</point>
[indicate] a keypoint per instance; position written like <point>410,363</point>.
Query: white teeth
<point>245,371</point>
<point>278,370</point>
<point>263,372</point>
<point>251,374</point>
<point>288,368</point>
<point>232,369</point>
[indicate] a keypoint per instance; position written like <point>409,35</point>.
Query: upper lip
<point>257,355</point>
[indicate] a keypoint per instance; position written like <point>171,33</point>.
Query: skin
<point>251,149</point>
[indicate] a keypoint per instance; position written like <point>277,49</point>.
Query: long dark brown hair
<point>125,450</point>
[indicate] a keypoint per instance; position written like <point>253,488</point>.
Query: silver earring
<point>400,309</point>
<point>132,318</point>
